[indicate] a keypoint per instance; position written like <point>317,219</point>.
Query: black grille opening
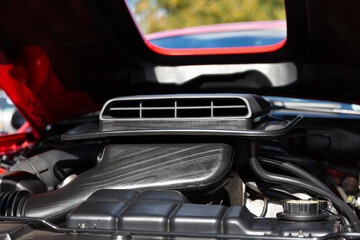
<point>193,102</point>
<point>123,114</point>
<point>124,104</point>
<point>188,113</point>
<point>158,113</point>
<point>158,103</point>
<point>228,102</point>
<point>230,112</point>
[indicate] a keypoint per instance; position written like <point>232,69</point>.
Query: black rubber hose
<point>274,194</point>
<point>265,208</point>
<point>75,166</point>
<point>296,171</point>
<point>292,181</point>
<point>59,173</point>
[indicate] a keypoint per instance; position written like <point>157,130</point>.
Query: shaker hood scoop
<point>63,59</point>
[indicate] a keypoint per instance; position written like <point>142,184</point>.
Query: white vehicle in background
<point>10,118</point>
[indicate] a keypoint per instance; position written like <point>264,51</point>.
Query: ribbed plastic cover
<point>185,167</point>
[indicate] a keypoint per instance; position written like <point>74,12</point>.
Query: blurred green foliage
<point>160,15</point>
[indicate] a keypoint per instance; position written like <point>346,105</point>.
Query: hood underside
<point>62,59</point>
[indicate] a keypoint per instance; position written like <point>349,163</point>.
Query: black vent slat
<point>169,108</point>
<point>229,112</point>
<point>194,113</point>
<point>193,102</point>
<point>124,104</point>
<point>158,114</point>
<point>176,108</point>
<point>228,102</point>
<point>227,107</point>
<point>158,103</point>
<point>126,114</point>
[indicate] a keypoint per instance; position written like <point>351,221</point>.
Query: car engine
<point>184,166</point>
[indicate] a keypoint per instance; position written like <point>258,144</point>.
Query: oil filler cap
<point>304,210</point>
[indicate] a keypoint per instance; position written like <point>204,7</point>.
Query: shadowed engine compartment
<point>209,166</point>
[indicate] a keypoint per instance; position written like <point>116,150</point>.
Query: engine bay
<point>217,166</point>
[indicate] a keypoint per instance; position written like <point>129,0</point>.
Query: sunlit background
<point>210,23</point>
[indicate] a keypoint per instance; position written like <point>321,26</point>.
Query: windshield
<point>204,24</point>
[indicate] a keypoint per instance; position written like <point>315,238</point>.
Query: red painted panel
<point>38,94</point>
<point>215,51</point>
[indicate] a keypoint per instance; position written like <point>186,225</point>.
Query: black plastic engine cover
<point>185,167</point>
<point>169,211</point>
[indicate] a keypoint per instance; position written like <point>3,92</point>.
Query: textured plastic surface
<point>198,218</point>
<point>304,210</point>
<point>107,210</point>
<point>162,212</point>
<point>151,215</point>
<point>42,164</point>
<point>304,207</point>
<point>11,203</point>
<point>186,167</point>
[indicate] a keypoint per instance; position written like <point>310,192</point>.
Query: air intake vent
<point>237,115</point>
<point>210,111</point>
<point>176,108</point>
